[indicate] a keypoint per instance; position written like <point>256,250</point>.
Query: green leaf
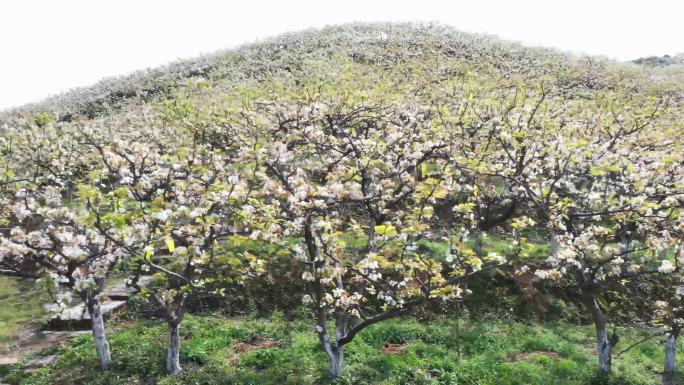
<point>170,244</point>
<point>597,172</point>
<point>234,261</point>
<point>86,191</point>
<point>387,230</point>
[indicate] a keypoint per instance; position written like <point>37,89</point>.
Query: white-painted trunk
<point>603,342</point>
<point>604,350</point>
<point>335,351</point>
<point>478,246</point>
<point>554,242</point>
<point>335,362</point>
<point>173,350</point>
<point>99,336</point>
<point>670,351</point>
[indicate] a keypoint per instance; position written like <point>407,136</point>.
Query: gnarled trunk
<point>98,328</point>
<point>173,350</point>
<point>670,351</point>
<point>604,344</point>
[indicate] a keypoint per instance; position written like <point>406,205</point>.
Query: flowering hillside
<point>358,175</point>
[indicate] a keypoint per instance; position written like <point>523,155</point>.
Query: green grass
<point>22,305</point>
<point>219,351</point>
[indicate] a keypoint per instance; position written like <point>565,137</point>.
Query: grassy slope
<point>21,305</point>
<point>221,351</point>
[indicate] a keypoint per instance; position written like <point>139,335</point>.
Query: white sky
<point>51,46</point>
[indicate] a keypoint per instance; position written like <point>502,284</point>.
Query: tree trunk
<point>554,242</point>
<point>624,239</point>
<point>173,351</point>
<point>670,351</point>
<point>604,344</point>
<point>604,349</point>
<point>478,245</point>
<point>335,354</point>
<point>98,327</point>
<point>335,361</point>
<point>334,350</point>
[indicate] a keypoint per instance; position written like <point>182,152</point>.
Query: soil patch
<point>390,348</point>
<point>31,340</point>
<point>256,344</point>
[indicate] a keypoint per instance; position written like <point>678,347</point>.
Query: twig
<point>637,343</point>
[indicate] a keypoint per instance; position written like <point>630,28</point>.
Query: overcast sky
<point>51,46</point>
